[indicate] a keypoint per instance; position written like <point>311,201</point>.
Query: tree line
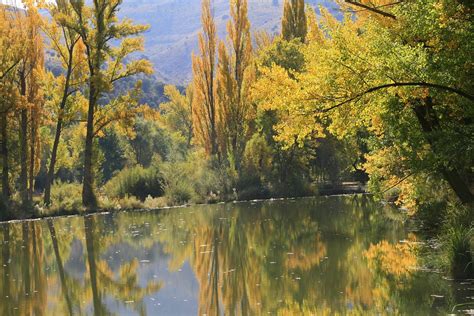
<point>382,94</point>
<point>80,37</point>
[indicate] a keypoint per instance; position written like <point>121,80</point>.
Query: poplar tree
<point>205,111</point>
<point>293,24</point>
<point>9,60</point>
<point>234,80</point>
<point>99,27</point>
<point>29,68</point>
<point>66,42</point>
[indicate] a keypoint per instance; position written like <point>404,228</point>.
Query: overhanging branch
<point>401,84</point>
<point>373,9</point>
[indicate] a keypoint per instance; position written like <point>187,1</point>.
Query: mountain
<point>175,25</point>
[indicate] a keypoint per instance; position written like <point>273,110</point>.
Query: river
<point>315,256</point>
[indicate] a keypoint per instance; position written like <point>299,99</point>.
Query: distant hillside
<point>175,24</point>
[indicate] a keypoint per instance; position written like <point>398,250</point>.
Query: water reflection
<point>311,256</point>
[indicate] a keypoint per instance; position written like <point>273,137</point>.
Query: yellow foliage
<point>398,259</point>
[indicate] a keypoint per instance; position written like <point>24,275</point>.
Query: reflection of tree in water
<point>290,260</point>
<point>29,276</point>
<point>124,287</point>
<point>232,251</point>
<point>24,286</point>
<point>312,256</point>
<point>59,261</point>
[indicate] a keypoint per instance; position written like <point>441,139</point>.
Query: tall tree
<point>66,42</point>
<point>293,23</point>
<point>405,81</point>
<point>205,109</point>
<point>235,76</point>
<point>99,27</point>
<point>28,73</point>
<point>10,57</point>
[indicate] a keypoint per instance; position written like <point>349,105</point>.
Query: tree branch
<point>9,69</point>
<point>373,9</point>
<point>401,84</point>
<point>398,182</point>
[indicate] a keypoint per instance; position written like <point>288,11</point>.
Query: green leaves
<point>377,75</point>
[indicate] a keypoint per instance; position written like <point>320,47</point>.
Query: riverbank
<point>37,212</point>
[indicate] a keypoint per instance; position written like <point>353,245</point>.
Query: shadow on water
<point>311,256</point>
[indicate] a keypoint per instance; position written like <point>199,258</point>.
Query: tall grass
<point>458,240</point>
<point>459,251</point>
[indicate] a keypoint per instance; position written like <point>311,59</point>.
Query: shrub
<point>129,203</point>
<point>106,203</point>
<point>136,181</point>
<point>191,180</point>
<point>155,203</point>
<point>66,196</point>
<point>179,193</point>
<point>204,178</point>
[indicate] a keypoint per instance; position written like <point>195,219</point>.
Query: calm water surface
<point>323,256</point>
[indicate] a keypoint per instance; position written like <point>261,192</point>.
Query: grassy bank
<point>449,229</point>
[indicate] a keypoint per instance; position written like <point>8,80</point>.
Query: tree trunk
<point>426,115</point>
<point>24,157</point>
<point>5,164</point>
<point>23,148</point>
<point>31,178</point>
<point>57,135</point>
<point>89,199</point>
<point>52,163</point>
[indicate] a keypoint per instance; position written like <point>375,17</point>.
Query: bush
<point>391,195</point>
<point>66,196</point>
<point>106,203</point>
<point>155,203</point>
<point>179,193</point>
<point>191,180</point>
<point>137,181</point>
<point>129,203</point>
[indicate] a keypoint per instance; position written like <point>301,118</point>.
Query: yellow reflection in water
<point>397,259</point>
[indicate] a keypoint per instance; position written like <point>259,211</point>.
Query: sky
<point>17,3</point>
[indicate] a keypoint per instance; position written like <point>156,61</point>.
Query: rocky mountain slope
<point>175,24</point>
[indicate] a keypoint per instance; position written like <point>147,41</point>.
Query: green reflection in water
<point>339,255</point>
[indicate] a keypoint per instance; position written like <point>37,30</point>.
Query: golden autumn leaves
<point>222,76</point>
<point>86,67</point>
